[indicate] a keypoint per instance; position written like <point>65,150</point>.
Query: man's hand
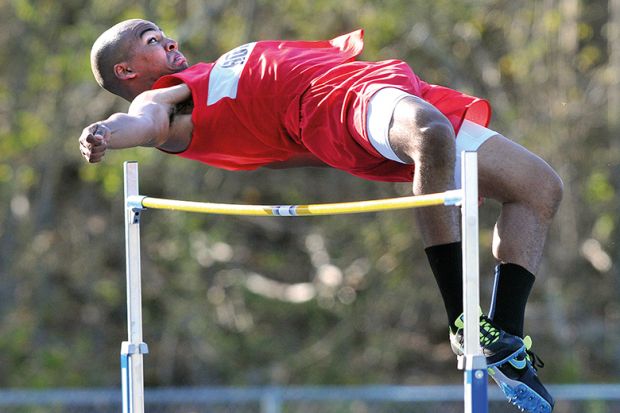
<point>94,142</point>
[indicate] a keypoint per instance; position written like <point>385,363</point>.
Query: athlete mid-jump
<point>296,103</point>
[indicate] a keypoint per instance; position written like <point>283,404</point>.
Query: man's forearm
<point>128,131</point>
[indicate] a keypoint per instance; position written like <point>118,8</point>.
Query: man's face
<point>152,54</point>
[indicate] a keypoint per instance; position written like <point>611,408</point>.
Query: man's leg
<point>528,189</point>
<point>421,135</point>
<point>409,130</point>
<point>530,193</point>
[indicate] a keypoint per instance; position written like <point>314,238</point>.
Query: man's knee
<point>543,189</point>
<point>543,186</point>
<point>510,173</point>
<point>552,191</point>
<point>422,134</point>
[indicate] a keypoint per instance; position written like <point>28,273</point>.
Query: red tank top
<point>247,104</point>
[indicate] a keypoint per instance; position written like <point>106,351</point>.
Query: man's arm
<point>147,123</point>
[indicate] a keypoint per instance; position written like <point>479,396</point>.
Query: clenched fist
<point>94,142</point>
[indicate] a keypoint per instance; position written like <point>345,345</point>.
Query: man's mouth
<point>179,60</point>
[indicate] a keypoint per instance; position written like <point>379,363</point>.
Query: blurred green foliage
<point>296,301</point>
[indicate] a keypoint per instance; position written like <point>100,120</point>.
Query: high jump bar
<point>452,197</point>
<point>472,362</point>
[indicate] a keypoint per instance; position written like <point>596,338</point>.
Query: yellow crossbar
<point>445,198</point>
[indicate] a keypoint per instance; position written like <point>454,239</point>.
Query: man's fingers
<point>95,129</point>
<point>98,149</point>
<point>95,140</point>
<point>93,148</point>
<point>99,129</point>
<point>94,157</point>
<point>92,144</point>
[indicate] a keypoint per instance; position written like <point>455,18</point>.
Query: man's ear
<point>123,71</point>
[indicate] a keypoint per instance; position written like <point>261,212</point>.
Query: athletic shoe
<point>518,380</point>
<point>497,345</point>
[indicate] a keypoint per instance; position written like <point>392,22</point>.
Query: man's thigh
<point>507,170</point>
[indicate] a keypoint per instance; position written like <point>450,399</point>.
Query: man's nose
<point>171,45</point>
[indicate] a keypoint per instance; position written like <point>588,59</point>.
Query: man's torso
<point>246,106</point>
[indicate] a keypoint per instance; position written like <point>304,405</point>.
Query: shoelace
<point>488,332</point>
<point>532,357</point>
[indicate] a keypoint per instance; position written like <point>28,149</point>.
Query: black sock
<point>513,284</point>
<point>447,266</point>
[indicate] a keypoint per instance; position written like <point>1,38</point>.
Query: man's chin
<point>179,68</point>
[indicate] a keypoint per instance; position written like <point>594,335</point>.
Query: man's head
<point>130,56</point>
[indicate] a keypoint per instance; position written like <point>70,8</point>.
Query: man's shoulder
<point>172,96</point>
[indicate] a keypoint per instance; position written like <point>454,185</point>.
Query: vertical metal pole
<point>475,364</point>
<point>133,349</point>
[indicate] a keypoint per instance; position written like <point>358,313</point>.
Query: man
<point>282,104</point>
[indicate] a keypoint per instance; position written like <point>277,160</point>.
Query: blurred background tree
<point>328,300</point>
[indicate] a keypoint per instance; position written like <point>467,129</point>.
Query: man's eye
<point>151,40</point>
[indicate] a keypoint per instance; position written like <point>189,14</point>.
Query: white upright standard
<point>473,361</point>
<point>133,349</point>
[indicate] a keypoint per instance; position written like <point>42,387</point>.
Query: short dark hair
<point>110,48</point>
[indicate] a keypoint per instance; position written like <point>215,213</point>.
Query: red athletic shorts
<point>334,108</point>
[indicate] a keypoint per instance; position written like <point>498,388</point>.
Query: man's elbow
<point>157,125</point>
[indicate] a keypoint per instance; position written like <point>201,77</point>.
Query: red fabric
<point>299,97</point>
<point>334,113</point>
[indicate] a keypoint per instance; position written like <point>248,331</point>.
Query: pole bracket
<point>128,349</point>
<point>134,204</point>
